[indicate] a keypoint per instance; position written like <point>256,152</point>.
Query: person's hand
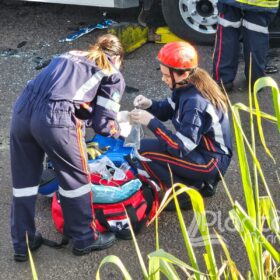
<point>142,102</point>
<point>140,116</point>
<point>123,116</point>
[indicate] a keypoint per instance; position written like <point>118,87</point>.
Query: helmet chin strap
<point>181,83</point>
<point>172,79</point>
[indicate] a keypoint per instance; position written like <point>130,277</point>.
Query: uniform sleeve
<point>163,110</point>
<point>106,105</point>
<point>186,138</point>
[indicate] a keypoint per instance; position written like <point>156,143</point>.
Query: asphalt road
<point>30,34</point>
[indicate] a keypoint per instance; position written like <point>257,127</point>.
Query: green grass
<point>264,259</point>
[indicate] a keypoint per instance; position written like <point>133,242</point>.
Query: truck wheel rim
<point>202,16</point>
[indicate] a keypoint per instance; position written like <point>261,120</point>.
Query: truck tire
<point>192,20</point>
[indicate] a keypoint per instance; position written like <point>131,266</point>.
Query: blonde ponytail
<point>208,88</point>
<point>105,45</point>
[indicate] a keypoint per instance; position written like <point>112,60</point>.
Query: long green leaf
<point>168,270</point>
<point>247,186</point>
<point>166,199</point>
<point>116,261</point>
<point>157,234</point>
<point>241,135</point>
<point>243,163</point>
<point>270,213</point>
<point>199,212</point>
<point>140,258</point>
<point>185,233</point>
<point>233,269</point>
<point>268,82</point>
<point>247,241</point>
<point>154,268</point>
<point>32,265</point>
<point>167,257</point>
<point>263,115</point>
<point>260,84</point>
<point>252,244</point>
<point>258,249</point>
<point>247,222</point>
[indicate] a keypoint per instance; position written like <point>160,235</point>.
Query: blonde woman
<point>201,143</point>
<point>47,118</point>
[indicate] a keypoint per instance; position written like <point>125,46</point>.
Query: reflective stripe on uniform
<point>261,3</point>
<point>188,143</point>
<point>172,104</point>
<point>23,192</point>
<point>143,173</point>
<point>108,104</point>
<point>218,132</point>
<point>227,23</point>
<point>77,192</point>
<point>88,85</point>
<point>254,27</point>
<point>178,117</point>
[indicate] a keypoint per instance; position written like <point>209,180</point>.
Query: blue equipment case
<point>116,153</point>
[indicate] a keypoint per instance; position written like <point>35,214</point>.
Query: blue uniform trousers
<point>252,26</point>
<point>41,126</point>
<point>192,170</point>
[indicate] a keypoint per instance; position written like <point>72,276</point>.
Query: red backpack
<point>140,208</point>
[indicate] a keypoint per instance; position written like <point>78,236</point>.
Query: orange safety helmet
<point>178,56</point>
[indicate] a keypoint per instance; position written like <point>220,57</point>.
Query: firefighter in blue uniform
<point>249,19</point>
<point>201,143</point>
<point>48,118</point>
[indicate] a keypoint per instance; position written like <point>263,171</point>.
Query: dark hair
<point>105,45</point>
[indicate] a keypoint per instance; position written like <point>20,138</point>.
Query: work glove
<point>123,116</point>
<point>140,116</point>
<point>142,102</point>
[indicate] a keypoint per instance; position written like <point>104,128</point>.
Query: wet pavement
<point>30,35</point>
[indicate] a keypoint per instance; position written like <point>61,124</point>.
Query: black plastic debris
<point>37,59</point>
<point>41,63</point>
<point>131,90</point>
<point>21,44</point>
<point>8,52</point>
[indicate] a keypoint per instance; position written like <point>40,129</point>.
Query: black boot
<point>104,240</point>
<point>184,202</point>
<point>270,69</point>
<point>209,188</point>
<point>34,245</point>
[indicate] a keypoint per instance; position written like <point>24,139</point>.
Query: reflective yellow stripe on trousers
<point>261,3</point>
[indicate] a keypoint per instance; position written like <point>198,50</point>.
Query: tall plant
<point>264,259</point>
<point>249,224</point>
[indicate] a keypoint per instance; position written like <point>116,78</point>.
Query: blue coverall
<point>251,22</point>
<point>195,149</point>
<point>47,119</point>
